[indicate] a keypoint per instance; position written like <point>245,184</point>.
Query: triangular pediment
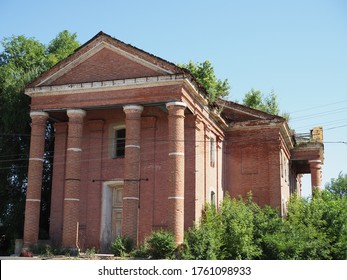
<point>104,58</point>
<point>234,112</point>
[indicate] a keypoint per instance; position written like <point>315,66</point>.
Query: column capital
<point>38,114</point>
<point>38,117</point>
<point>176,103</point>
<point>315,161</point>
<point>72,112</point>
<point>132,108</point>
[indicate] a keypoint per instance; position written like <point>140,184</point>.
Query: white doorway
<point>117,211</point>
<point>111,213</point>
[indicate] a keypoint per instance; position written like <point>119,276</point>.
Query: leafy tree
<point>21,60</point>
<point>255,99</point>
<point>203,241</point>
<point>313,228</point>
<point>61,46</point>
<point>237,228</point>
<point>224,234</point>
<point>267,222</point>
<point>302,236</point>
<point>204,74</point>
<point>338,186</point>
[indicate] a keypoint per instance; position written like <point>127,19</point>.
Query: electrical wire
<point>319,106</point>
<point>24,157</point>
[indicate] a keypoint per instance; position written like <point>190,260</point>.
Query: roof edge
<point>117,43</point>
<point>247,110</point>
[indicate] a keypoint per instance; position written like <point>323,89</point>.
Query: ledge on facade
<point>308,147</point>
<point>315,136</point>
<point>310,141</point>
<point>66,89</point>
<point>234,112</point>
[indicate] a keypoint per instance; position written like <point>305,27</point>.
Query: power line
<point>323,124</point>
<point>336,142</point>
<point>249,139</point>
<point>105,158</point>
<point>336,127</point>
<point>324,113</point>
<point>319,106</point>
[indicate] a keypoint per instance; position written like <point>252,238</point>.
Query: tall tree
<point>338,186</point>
<point>255,99</point>
<point>62,46</point>
<point>204,74</point>
<point>21,60</point>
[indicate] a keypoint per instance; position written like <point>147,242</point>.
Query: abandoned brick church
<point>138,148</point>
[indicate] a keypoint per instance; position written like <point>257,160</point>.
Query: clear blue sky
<point>296,48</point>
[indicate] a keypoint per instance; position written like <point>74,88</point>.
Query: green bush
<point>161,244</point>
<point>140,252</point>
<point>237,230</point>
<point>121,246</point>
<point>314,228</point>
<point>90,252</point>
<point>203,241</point>
<point>224,234</point>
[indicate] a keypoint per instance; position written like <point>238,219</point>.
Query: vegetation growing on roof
<point>204,73</point>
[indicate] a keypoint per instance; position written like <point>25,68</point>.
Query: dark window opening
<point>119,143</point>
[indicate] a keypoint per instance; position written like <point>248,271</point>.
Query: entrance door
<point>117,209</point>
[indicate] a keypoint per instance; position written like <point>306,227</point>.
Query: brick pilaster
<point>72,178</point>
<point>316,174</point>
<point>94,189</point>
<point>131,171</point>
<point>33,195</point>
<point>176,169</point>
<point>58,183</point>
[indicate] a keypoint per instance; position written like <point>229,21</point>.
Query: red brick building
<point>138,148</point>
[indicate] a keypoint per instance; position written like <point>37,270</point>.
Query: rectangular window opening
<point>212,152</point>
<point>119,143</point>
<point>213,198</point>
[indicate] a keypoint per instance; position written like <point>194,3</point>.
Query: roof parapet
<point>314,136</point>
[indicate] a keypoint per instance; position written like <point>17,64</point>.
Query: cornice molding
<point>105,85</point>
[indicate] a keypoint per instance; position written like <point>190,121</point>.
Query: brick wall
<point>252,164</point>
<point>105,65</point>
<point>97,164</point>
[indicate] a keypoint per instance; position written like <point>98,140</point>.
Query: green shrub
<point>314,228</point>
<point>203,241</point>
<point>121,246</point>
<point>237,229</point>
<point>140,252</point>
<point>45,250</point>
<point>90,252</point>
<point>224,234</point>
<point>161,244</point>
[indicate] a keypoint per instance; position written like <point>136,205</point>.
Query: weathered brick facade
<point>137,148</point>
